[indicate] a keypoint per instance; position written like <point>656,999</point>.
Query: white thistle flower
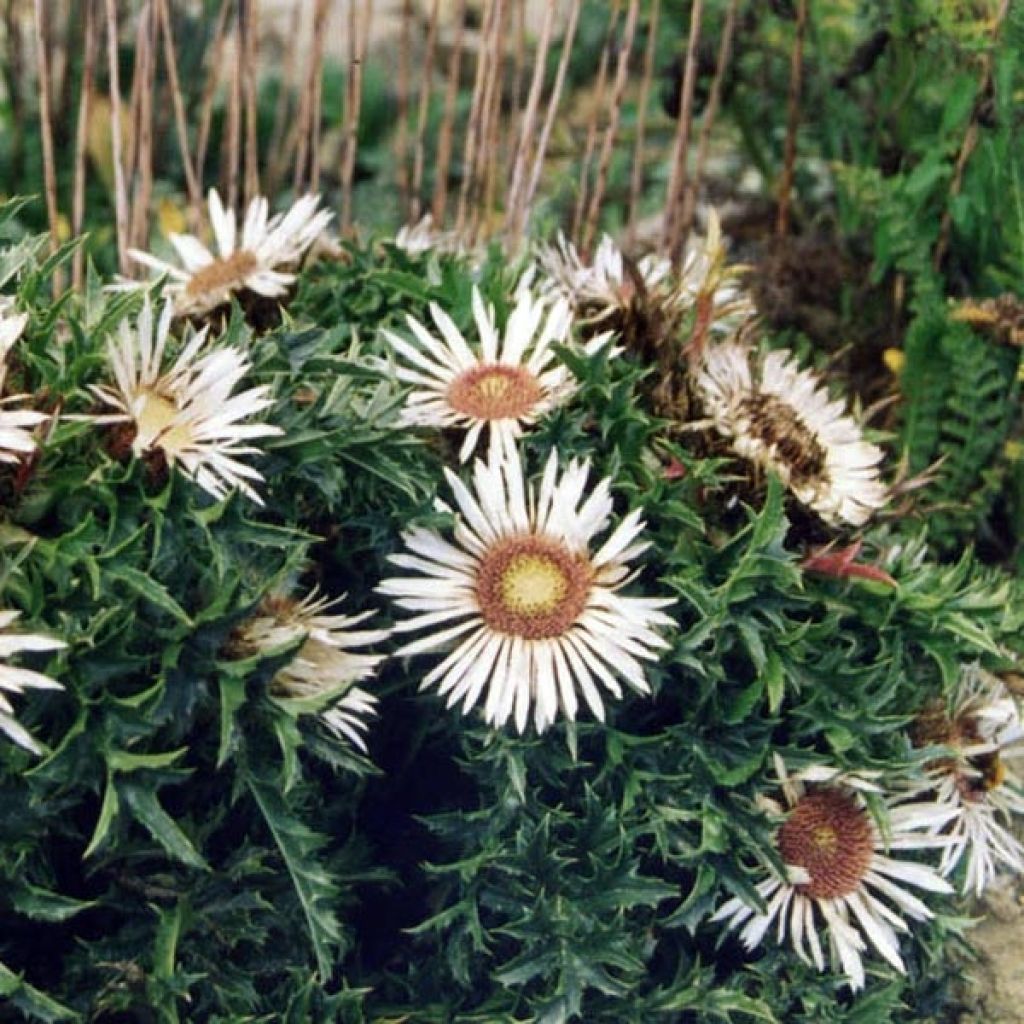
<point>326,665</point>
<point>507,384</point>
<point>782,418</point>
<point>534,614</point>
<point>17,680</point>
<point>983,731</point>
<point>422,236</point>
<point>839,875</point>
<point>262,260</point>
<point>16,440</point>
<point>187,412</point>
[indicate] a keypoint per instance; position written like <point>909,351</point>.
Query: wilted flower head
<point>188,412</point>
<point>328,662</point>
<point>17,680</point>
<point>782,418</point>
<point>16,441</point>
<point>261,261</point>
<point>508,382</point>
<point>534,614</point>
<point>982,730</point>
<point>839,877</point>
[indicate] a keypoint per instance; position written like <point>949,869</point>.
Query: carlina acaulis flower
<point>262,259</point>
<point>15,680</point>
<point>502,386</point>
<point>328,663</point>
<point>782,418</point>
<point>975,780</point>
<point>532,614</point>
<point>16,440</point>
<point>839,877</point>
<point>187,413</point>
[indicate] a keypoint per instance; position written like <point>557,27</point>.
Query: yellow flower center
<point>830,837</point>
<point>159,424</point>
<point>494,392</point>
<point>224,275</point>
<point>532,587</point>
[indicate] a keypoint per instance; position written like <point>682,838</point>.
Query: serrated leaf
<point>43,905</point>
<point>146,810</point>
<point>144,586</point>
<point>108,811</point>
<point>30,1001</point>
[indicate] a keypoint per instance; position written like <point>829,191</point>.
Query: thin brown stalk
<point>402,130</point>
<point>608,143</point>
<point>216,53</point>
<point>249,23</point>
<point>796,74</point>
<point>356,103</point>
<point>46,130</point>
<point>970,138</point>
<point>525,204</point>
<point>680,151</point>
<point>473,126</point>
<point>517,187</point>
<point>82,139</point>
<point>636,181</point>
<point>120,192</point>
<point>276,150</point>
<point>142,185</point>
<point>710,113</point>
<point>177,99</point>
<point>423,108</point>
<point>597,105</point>
<point>487,156</point>
<point>446,133</point>
<point>232,143</point>
<point>307,117</point>
<point>13,69</point>
<point>134,101</point>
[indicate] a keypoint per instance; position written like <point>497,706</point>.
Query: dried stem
<point>970,139</point>
<point>120,194</point>
<point>608,143</point>
<point>216,52</point>
<point>549,119</point>
<point>444,142</point>
<point>355,103</point>
<point>307,118</point>
<point>672,235</point>
<point>487,159</point>
<point>424,106</point>
<point>46,129</point>
<point>82,139</point>
<point>796,74</point>
<point>249,27</point>
<point>637,177</point>
<point>277,159</point>
<point>142,184</point>
<point>710,113</point>
<point>595,112</point>
<point>402,130</point>
<point>232,144</point>
<point>517,188</point>
<point>180,120</point>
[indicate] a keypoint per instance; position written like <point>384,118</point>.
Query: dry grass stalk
<point>13,70</point>
<point>46,130</point>
<point>710,113</point>
<point>515,215</point>
<point>276,152</point>
<point>354,106</point>
<point>307,118</point>
<point>447,131</point>
<point>796,74</point>
<point>473,126</point>
<point>215,53</point>
<point>402,129</point>
<point>487,177</point>
<point>249,26</point>
<point>519,64</point>
<point>82,139</point>
<point>636,181</point>
<point>554,99</point>
<point>970,138</point>
<point>231,147</point>
<point>142,172</point>
<point>120,193</point>
<point>608,143</point>
<point>672,234</point>
<point>423,108</point>
<point>177,99</point>
<point>596,107</point>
